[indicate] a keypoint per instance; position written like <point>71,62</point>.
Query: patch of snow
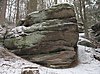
<point>81,37</point>
<point>17,31</point>
<point>81,34</point>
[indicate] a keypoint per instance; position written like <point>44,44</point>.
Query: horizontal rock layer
<point>56,12</point>
<point>59,58</point>
<point>45,37</point>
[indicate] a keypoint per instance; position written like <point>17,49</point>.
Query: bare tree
<point>32,5</point>
<point>55,1</point>
<point>75,2</point>
<point>83,16</point>
<point>41,5</point>
<point>85,19</point>
<point>17,14</point>
<point>3,4</point>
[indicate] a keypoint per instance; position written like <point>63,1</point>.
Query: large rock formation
<point>52,39</point>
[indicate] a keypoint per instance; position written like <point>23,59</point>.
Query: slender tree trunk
<point>32,6</point>
<point>41,5</point>
<point>17,14</point>
<point>55,1</point>
<point>85,20</point>
<point>76,10</point>
<point>81,14</point>
<point>3,10</point>
<point>10,12</point>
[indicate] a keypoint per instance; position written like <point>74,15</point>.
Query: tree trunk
<point>76,10</point>
<point>85,20</point>
<point>17,14</point>
<point>3,10</point>
<point>55,1</point>
<point>41,5</point>
<point>83,16</point>
<point>32,6</point>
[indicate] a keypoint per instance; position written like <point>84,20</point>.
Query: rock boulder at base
<point>51,42</point>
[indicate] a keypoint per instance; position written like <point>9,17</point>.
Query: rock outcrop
<point>50,38</point>
<point>95,36</point>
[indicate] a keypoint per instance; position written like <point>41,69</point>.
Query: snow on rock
<point>17,31</point>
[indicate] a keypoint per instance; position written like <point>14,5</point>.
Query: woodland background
<point>11,11</point>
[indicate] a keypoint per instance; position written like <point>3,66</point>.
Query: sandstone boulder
<point>46,36</point>
<point>51,41</point>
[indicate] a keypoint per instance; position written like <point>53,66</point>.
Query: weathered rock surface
<point>56,12</point>
<point>58,33</point>
<point>56,59</point>
<point>51,42</point>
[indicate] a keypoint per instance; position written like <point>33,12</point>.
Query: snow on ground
<point>11,64</point>
<point>81,37</point>
<point>87,64</point>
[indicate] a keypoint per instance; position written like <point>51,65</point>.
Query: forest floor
<point>12,64</point>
